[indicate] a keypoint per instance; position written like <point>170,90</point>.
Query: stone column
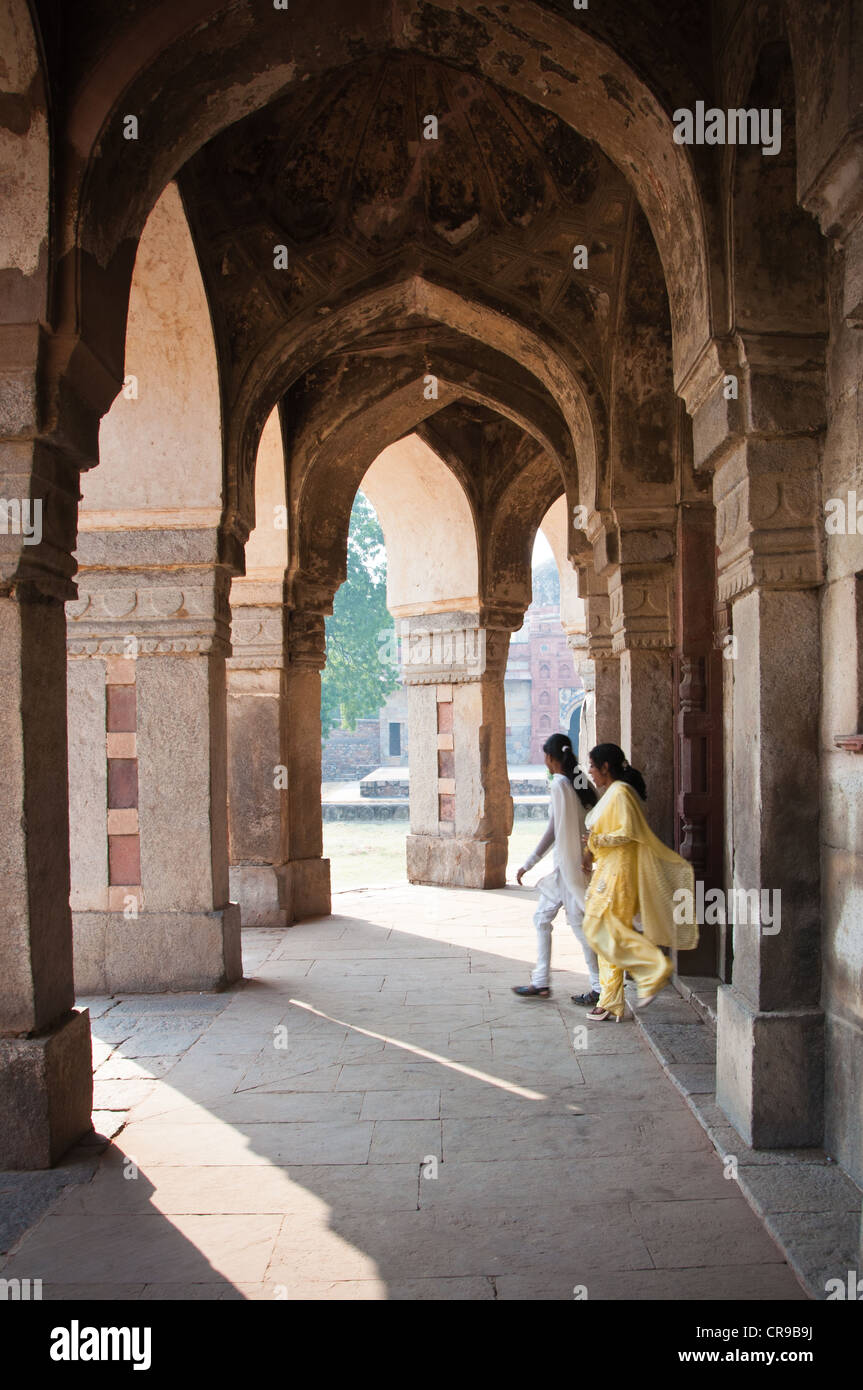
<point>306,875</point>
<point>604,662</point>
<point>640,592</point>
<point>698,722</point>
<point>461,807</point>
<point>256,704</point>
<point>764,452</point>
<point>834,197</point>
<point>46,1085</point>
<point>147,641</point>
<point>577,642</point>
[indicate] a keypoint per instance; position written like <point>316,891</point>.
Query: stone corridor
<point>249,1162</point>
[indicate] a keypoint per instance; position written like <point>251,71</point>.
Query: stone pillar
<point>147,641</point>
<point>834,197</point>
<point>604,661</point>
<point>46,1084</point>
<point>640,591</point>
<point>461,807</point>
<point>698,722</point>
<point>577,642</point>
<point>256,703</point>
<point>306,874</point>
<point>764,452</point>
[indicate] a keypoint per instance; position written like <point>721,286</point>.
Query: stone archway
<point>148,637</point>
<point>256,698</point>
<point>595,385</point>
<point>250,64</point>
<point>461,809</point>
<point>44,1042</point>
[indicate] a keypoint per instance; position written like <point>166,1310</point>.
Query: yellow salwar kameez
<point>634,872</point>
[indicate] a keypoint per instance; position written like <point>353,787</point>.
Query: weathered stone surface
<point>769,1072</point>
<point>305,885</point>
<point>157,951</point>
<point>88,787</point>
<point>46,1090</point>
<point>460,862</point>
<point>256,889</point>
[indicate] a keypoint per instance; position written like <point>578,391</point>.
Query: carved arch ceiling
<point>488,418</point>
<point>340,173</point>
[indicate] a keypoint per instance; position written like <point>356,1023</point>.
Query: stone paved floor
<point>251,1169</point>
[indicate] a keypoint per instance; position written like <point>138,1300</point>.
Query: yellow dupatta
<point>618,817</point>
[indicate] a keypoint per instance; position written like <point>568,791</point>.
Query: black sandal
<point>531,992</point>
<point>587,1000</point>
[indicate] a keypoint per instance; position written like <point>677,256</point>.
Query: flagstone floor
<point>374,1115</point>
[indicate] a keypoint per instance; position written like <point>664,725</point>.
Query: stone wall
<point>347,755</point>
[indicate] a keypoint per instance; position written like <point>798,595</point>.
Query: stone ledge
<point>807,1202</point>
<point>700,992</point>
<point>157,952</point>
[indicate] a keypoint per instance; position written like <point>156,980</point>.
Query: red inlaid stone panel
<point>122,783</point>
<point>446,808</point>
<point>121,716</point>
<point>444,717</point>
<point>446,762</point>
<point>124,859</point>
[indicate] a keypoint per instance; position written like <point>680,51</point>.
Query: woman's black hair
<point>560,747</point>
<point>618,766</point>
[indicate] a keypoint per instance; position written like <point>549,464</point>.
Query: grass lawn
<point>367,853</point>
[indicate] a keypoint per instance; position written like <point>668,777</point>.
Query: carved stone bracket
<point>640,608</point>
<point>305,640</point>
<point>835,196</point>
<point>766,527</point>
<point>451,649</point>
<point>693,684</point>
<point>596,610</point>
<point>180,614</point>
<point>257,638</point>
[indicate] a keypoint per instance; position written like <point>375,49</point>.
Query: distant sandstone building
<point>542,691</point>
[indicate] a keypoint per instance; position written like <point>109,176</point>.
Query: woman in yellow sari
<point>633,872</point>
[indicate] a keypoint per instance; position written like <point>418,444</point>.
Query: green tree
<point>360,672</point>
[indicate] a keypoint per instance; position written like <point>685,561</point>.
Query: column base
<point>256,889</point>
<point>46,1093</point>
<point>450,862</point>
<point>157,952</point>
<point>770,1073</point>
<point>306,886</point>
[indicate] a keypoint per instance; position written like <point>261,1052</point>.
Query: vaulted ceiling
<point>341,174</point>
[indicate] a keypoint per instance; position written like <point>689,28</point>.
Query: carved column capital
<point>641,607</point>
<point>835,195</point>
<point>257,625</point>
<point>150,611</point>
<point>451,649</point>
<point>257,637</point>
<point>305,640</point>
<point>767,509</point>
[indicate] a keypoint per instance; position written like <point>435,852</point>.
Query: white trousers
<point>554,895</point>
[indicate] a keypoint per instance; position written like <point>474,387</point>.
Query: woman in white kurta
<point>565,886</point>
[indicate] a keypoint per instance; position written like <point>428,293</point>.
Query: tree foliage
<point>360,672</point>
